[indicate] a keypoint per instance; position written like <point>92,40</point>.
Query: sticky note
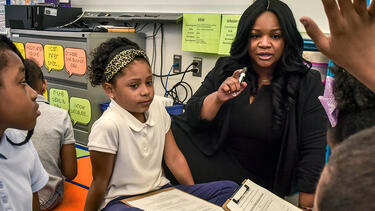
<point>20,47</point>
<point>54,57</point>
<point>59,98</point>
<point>75,61</point>
<point>228,32</point>
<point>80,110</point>
<point>201,32</point>
<point>35,52</point>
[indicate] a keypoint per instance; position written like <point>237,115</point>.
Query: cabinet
<point>64,57</point>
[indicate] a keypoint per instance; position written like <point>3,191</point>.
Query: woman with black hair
<point>271,127</point>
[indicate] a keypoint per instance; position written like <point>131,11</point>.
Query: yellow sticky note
<point>80,110</point>
<point>59,98</point>
<point>20,47</point>
<point>54,57</point>
<point>228,32</point>
<point>201,32</point>
<point>75,61</point>
<point>35,52</point>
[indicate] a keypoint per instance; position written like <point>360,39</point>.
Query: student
<point>21,172</point>
<point>270,128</point>
<point>348,180</point>
<point>53,139</point>
<point>351,42</point>
<point>355,107</point>
<point>128,142</point>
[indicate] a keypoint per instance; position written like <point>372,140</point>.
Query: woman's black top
<point>251,139</point>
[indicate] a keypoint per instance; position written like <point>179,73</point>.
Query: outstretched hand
<point>231,88</point>
<point>351,43</point>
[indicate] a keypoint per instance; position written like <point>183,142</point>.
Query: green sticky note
<point>228,32</point>
<point>59,98</point>
<point>80,110</point>
<point>81,153</point>
<point>201,32</point>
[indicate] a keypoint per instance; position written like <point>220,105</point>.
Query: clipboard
<point>237,195</point>
<point>251,196</point>
<point>170,199</point>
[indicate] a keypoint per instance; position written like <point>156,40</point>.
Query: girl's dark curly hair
<point>356,105</point>
<point>103,54</point>
<point>290,67</point>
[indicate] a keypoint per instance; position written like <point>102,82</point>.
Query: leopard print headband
<point>121,60</point>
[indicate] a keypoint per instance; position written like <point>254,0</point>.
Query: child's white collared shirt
<point>138,147</point>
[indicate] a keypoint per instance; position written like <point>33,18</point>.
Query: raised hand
<point>351,43</point>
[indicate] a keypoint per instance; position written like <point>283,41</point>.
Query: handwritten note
<point>75,61</point>
<point>201,32</point>
<point>20,47</point>
<point>80,110</point>
<point>228,32</point>
<point>35,52</point>
<point>54,57</point>
<point>59,98</point>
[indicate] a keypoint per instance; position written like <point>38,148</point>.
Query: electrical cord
<point>173,92</point>
<point>77,19</point>
<point>166,81</point>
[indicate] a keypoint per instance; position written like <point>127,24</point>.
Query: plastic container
<point>175,109</point>
<point>172,110</point>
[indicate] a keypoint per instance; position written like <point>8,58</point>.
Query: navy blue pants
<point>214,192</point>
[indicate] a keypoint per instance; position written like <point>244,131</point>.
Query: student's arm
<point>306,200</point>
<point>229,89</point>
<point>176,161</point>
<point>69,161</point>
<point>36,205</point>
<point>351,43</point>
<point>102,166</point>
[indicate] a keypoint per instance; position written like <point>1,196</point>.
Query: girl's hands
<point>231,87</point>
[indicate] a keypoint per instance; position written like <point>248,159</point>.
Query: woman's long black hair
<point>290,67</point>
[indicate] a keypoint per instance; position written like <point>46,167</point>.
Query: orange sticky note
<point>75,61</point>
<point>35,52</point>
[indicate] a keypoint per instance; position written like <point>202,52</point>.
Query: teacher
<point>271,127</point>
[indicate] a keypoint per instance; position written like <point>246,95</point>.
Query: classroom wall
<point>172,35</point>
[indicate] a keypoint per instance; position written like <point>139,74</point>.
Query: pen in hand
<point>240,79</point>
<point>242,75</point>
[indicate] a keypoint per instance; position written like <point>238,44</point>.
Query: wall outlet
<point>199,66</point>
<point>177,63</point>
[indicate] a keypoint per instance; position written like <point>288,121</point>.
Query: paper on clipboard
<point>170,199</point>
<point>252,197</point>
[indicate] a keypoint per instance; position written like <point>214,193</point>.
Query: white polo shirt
<point>138,147</point>
<point>21,173</point>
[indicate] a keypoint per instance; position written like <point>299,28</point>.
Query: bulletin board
<point>313,9</point>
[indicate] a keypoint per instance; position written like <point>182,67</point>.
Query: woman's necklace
<point>265,82</point>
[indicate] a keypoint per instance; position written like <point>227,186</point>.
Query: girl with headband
<point>128,142</point>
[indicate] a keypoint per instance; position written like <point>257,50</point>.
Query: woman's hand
<point>231,87</point>
<point>351,42</point>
